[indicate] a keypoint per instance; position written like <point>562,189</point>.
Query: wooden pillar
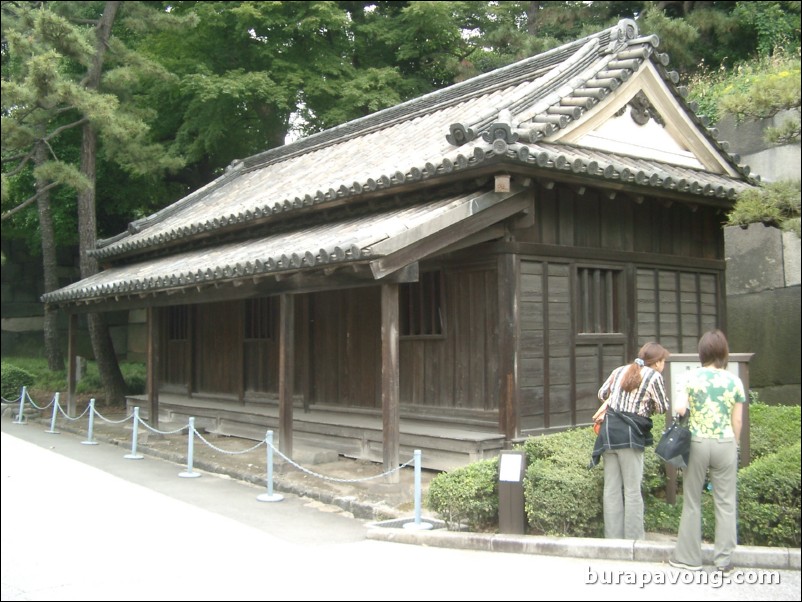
<point>746,426</point>
<point>305,339</point>
<point>154,366</point>
<point>390,380</point>
<point>72,363</point>
<point>671,471</point>
<point>508,302</point>
<point>286,371</point>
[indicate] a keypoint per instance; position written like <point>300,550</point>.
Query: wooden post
<point>390,379</point>
<point>305,337</point>
<point>286,372</point>
<point>671,472</point>
<point>153,365</point>
<point>72,363</point>
<point>743,373</point>
<point>508,294</point>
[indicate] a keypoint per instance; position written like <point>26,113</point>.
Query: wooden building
<point>451,274</point>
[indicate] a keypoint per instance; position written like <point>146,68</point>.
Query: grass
<point>47,382</point>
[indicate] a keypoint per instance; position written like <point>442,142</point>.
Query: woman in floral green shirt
<point>715,400</point>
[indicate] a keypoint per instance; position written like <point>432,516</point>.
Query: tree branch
<point>63,128</point>
<point>28,201</point>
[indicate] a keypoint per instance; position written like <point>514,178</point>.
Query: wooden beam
<point>462,221</point>
<point>154,366</point>
<point>286,372</point>
<point>72,366</point>
<point>391,421</point>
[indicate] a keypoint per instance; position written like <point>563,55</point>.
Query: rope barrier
<point>336,480</point>
<point>157,431</point>
<point>230,453</point>
<point>192,432</point>
<point>10,401</point>
<point>33,403</point>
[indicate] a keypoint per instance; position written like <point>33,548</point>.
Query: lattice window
<point>598,300</point>
<point>421,306</point>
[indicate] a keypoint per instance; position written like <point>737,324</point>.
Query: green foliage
<point>769,499</point>
<point>758,89</point>
<point>775,204</point>
<point>775,23</point>
<point>467,495</point>
<point>752,89</point>
<point>562,497</point>
<point>661,517</point>
<point>43,378</point>
<point>46,380</point>
<point>46,54</point>
<point>772,428</point>
<point>13,379</point>
<point>678,38</point>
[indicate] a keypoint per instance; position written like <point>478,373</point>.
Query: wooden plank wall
<point>456,376</point>
<point>560,368</point>
<point>218,348</point>
<point>459,370</point>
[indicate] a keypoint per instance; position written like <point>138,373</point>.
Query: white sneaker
<point>681,565</point>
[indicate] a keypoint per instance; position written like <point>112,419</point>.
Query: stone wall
<point>22,285</point>
<point>763,275</point>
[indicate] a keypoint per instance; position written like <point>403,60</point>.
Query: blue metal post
<point>133,455</point>
<point>416,456</point>
<point>417,524</point>
<point>189,473</point>
<point>89,435</point>
<point>53,430</point>
<point>269,496</point>
<point>20,416</point>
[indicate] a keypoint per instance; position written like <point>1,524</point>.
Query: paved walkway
<point>360,489</point>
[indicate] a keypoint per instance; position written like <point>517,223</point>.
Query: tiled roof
<point>367,238</point>
<point>514,115</point>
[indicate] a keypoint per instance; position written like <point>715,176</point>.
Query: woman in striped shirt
<point>630,395</point>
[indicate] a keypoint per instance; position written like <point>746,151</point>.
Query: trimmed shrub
<point>561,495</point>
<point>13,379</point>
<point>563,499</point>
<point>467,495</point>
<point>769,499</point>
<point>772,428</point>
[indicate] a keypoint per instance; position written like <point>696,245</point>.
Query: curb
<point>756,557</point>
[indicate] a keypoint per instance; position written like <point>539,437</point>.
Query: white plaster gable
<point>622,135</point>
<point>678,141</point>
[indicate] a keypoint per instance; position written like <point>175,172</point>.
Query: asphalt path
<point>81,522</point>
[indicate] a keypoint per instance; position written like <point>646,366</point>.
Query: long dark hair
<point>649,354</point>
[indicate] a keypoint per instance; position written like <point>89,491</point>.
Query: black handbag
<point>674,446</point>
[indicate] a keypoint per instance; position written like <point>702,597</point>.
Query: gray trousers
<point>623,502</point>
<point>720,457</point>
